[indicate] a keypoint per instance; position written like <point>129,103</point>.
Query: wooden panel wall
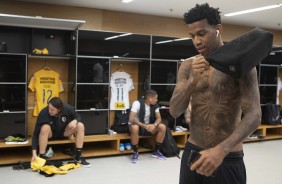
<point>119,21</point>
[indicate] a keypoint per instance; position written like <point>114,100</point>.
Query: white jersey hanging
<point>121,84</point>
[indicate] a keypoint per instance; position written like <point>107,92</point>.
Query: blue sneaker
<point>127,146</point>
<point>121,147</point>
<point>158,155</point>
<point>135,157</point>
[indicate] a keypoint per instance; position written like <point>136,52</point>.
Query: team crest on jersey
<point>64,119</point>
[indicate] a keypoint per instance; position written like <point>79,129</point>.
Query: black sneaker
<point>82,161</point>
<point>69,152</point>
<point>43,156</point>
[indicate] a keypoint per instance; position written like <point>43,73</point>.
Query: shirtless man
<point>225,110</point>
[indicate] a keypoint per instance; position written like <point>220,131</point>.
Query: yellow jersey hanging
<point>46,84</point>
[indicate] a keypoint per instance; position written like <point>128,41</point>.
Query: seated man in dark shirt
<point>58,120</point>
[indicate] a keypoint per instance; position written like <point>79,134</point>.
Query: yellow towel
<point>50,169</point>
<point>67,167</point>
<point>37,164</point>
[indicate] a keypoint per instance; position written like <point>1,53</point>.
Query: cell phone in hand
<point>193,156</point>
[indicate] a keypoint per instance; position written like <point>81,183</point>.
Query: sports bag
<point>169,147</point>
<point>121,121</point>
<point>239,56</point>
<point>271,114</point>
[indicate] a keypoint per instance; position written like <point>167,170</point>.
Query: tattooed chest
<point>218,85</point>
<point>215,109</point>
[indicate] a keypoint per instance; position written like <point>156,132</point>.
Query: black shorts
<point>231,171</point>
<point>58,134</point>
<point>143,131</point>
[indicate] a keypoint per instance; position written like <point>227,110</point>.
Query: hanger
<point>46,67</point>
<point>120,69</point>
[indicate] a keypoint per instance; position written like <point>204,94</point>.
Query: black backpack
<point>169,147</point>
<point>271,114</point>
<point>121,121</point>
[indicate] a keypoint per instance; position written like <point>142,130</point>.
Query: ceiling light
<point>117,36</point>
<point>126,1</point>
<point>253,10</point>
<point>112,37</point>
<point>174,40</point>
<point>166,41</point>
<point>181,39</point>
<point>126,34</point>
<point>39,22</point>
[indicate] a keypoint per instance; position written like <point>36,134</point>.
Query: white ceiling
<point>176,8</point>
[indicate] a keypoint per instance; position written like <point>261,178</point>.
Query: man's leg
<point>44,135</point>
<point>134,138</point>
<point>79,139</point>
<point>160,134</point>
<point>78,132</point>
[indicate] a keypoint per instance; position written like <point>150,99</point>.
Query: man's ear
<point>218,28</point>
<point>217,32</point>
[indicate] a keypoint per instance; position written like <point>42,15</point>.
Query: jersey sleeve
<point>112,80</point>
<point>130,84</point>
<point>61,87</point>
<point>31,85</point>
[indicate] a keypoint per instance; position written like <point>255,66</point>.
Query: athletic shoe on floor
<point>135,157</point>
<point>127,146</point>
<point>121,147</point>
<point>158,155</point>
<point>82,161</point>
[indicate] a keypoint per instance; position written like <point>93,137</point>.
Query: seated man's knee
<point>80,126</point>
<point>134,129</point>
<point>162,127</point>
<point>45,129</point>
<point>77,131</point>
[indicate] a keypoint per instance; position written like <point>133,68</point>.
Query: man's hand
<point>72,125</point>
<point>209,161</point>
<point>150,127</point>
<point>34,155</point>
<point>199,65</point>
<point>33,158</point>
